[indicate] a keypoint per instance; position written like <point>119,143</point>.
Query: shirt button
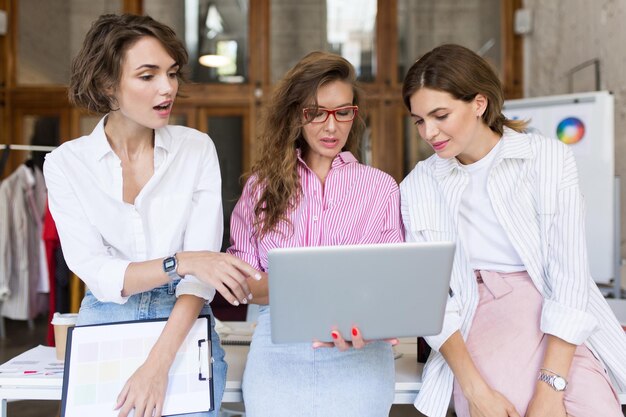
<point>314,218</point>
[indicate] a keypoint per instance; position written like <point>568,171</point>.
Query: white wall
<point>567,33</point>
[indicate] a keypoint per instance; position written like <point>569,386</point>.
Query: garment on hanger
<point>22,203</point>
<point>58,272</point>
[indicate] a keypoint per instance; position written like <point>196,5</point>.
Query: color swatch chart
<point>103,357</point>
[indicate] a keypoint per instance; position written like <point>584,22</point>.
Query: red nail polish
<point>355,332</point>
<point>334,334</point>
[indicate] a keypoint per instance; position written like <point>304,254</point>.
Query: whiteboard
<point>584,122</point>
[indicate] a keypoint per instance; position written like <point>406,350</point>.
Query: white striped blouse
<point>358,204</point>
<point>533,187</point>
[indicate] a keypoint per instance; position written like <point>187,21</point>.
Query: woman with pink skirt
<point>526,330</point>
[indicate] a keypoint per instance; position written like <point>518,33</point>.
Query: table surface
<point>17,385</point>
<point>47,385</point>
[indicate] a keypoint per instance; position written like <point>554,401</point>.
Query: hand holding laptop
<point>342,344</point>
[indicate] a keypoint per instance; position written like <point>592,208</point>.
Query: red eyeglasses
<point>341,114</point>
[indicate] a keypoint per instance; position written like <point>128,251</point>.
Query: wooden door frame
<point>383,95</point>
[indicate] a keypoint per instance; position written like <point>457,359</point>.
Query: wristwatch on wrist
<point>169,267</point>
<point>557,382</point>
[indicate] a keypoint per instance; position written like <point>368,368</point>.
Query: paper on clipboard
<point>100,359</point>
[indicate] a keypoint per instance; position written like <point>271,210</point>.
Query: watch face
<point>169,264</point>
<point>559,383</point>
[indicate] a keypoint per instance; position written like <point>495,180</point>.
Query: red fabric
<point>52,242</point>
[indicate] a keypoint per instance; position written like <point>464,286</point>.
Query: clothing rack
<point>6,148</point>
<point>33,148</point>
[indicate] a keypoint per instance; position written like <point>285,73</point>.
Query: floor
<point>20,338</point>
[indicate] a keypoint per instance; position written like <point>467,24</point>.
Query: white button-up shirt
<point>180,208</point>
<point>533,188</point>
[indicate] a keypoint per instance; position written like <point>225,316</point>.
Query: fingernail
<point>334,334</point>
<point>257,276</point>
<point>235,303</point>
<point>245,301</point>
<point>355,331</point>
<point>316,345</point>
<point>250,296</point>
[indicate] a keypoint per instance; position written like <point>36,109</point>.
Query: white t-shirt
<point>180,208</point>
<point>487,244</point>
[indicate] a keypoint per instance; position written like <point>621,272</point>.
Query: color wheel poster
<point>584,122</point>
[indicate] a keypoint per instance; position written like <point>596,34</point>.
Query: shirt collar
<point>99,139</point>
<point>515,145</point>
<point>162,141</point>
<point>343,158</point>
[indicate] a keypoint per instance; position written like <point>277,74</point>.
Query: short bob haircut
<point>97,69</point>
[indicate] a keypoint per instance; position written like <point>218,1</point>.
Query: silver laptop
<point>386,290</point>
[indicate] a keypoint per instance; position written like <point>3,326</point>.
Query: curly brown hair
<point>462,73</point>
<point>97,69</point>
<point>276,177</point>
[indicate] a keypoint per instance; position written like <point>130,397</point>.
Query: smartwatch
<point>169,267</point>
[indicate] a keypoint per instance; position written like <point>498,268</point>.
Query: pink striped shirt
<point>357,205</point>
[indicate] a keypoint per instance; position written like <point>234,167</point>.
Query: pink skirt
<point>507,346</point>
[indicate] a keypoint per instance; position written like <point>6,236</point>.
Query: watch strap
<point>170,265</point>
<point>554,380</point>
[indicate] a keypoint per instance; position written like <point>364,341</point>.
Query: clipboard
<point>100,358</point>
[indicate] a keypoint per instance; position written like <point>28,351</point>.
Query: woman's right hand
<point>342,344</point>
<point>487,402</point>
<point>226,273</point>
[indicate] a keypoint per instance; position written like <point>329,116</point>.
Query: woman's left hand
<point>546,402</point>
<point>144,391</point>
<point>342,344</point>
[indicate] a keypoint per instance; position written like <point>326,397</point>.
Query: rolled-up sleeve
<point>83,248</point>
<point>564,312</point>
<point>205,226</point>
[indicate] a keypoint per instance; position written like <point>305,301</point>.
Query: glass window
<point>50,34</point>
<point>227,134</point>
<point>345,27</point>
<point>215,34</point>
<point>40,131</point>
<point>424,24</point>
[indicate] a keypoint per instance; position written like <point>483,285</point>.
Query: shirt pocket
<point>431,223</point>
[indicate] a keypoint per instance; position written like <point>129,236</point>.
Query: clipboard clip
<point>200,377</point>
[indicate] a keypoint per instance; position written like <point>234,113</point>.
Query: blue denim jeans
<point>154,304</point>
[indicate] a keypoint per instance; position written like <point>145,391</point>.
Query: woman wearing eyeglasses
<point>308,189</point>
